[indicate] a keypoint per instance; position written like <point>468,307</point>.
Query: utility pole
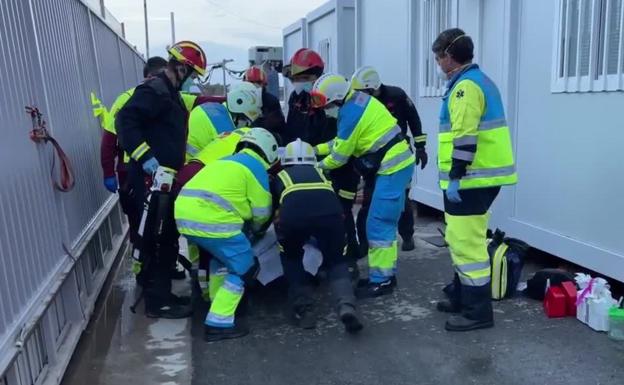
<point>221,65</point>
<point>173,39</point>
<point>146,30</point>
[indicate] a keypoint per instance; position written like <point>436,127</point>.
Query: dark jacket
<point>272,116</point>
<point>310,203</point>
<point>155,114</point>
<point>402,108</point>
<point>311,125</point>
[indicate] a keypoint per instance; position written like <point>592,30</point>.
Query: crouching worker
<point>308,207</point>
<point>210,211</point>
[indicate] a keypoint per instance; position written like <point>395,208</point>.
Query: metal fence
<point>53,54</point>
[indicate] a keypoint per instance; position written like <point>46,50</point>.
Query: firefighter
<point>152,130</point>
<point>306,206</point>
<point>366,79</point>
<point>370,134</point>
<point>209,120</point>
<point>272,117</point>
<point>314,127</point>
<point>110,152</point>
<point>475,159</point>
<point>212,209</point>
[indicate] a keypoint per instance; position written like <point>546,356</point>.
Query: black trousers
<point>345,181</point>
<point>406,220</point>
<point>158,245</point>
<point>329,234</point>
<point>129,207</point>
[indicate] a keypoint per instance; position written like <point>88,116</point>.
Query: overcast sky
<point>224,28</point>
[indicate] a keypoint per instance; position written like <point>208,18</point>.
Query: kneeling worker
<point>308,207</point>
<point>212,208</point>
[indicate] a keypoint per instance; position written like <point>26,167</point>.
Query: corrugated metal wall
<point>53,54</point>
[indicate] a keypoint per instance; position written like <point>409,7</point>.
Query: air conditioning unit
<point>261,54</point>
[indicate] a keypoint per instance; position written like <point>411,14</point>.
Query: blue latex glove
<point>111,184</point>
<point>452,192</point>
<point>150,166</point>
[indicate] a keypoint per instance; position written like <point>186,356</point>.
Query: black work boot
<point>453,293</point>
<point>365,281</point>
<point>476,312</point>
<point>180,300</point>
<point>214,334</point>
<point>354,270</point>
<point>408,244</point>
<point>377,289</point>
<point>168,311</point>
<point>304,317</point>
<point>349,318</point>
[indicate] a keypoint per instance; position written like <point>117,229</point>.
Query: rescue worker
<point>306,206</point>
<point>272,117</point>
<point>209,120</point>
<point>152,129</point>
<point>314,127</point>
<point>475,159</point>
<point>110,152</point>
<point>366,79</point>
<point>369,133</point>
<point>212,209</point>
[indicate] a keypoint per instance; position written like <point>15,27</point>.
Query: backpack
<point>507,260</point>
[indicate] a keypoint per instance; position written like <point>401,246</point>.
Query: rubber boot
<point>476,312</point>
<point>408,244</point>
<point>169,309</point>
<point>375,289</point>
<point>303,316</point>
<point>453,293</point>
<point>349,318</point>
<point>214,334</point>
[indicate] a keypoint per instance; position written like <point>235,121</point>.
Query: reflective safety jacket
<point>206,122</point>
<point>224,195</point>
<point>364,127</point>
<point>109,148</point>
<point>224,145</point>
<point>474,144</point>
<point>302,192</point>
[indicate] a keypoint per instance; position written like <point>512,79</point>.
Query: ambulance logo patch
<point>459,94</point>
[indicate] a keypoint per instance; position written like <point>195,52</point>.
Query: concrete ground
<point>403,342</point>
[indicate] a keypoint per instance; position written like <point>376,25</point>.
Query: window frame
<point>594,81</point>
<point>429,84</point>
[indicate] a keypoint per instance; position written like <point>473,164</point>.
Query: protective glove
<point>111,184</point>
<point>150,166</point>
<point>421,157</point>
<point>452,192</point>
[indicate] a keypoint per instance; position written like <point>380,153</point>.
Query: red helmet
<point>189,53</point>
<point>255,74</point>
<point>306,62</point>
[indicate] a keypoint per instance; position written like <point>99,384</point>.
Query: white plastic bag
<point>593,302</point>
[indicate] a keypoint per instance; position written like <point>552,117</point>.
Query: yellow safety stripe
<point>346,194</point>
<point>305,186</point>
<point>420,138</point>
<point>285,178</point>
<point>140,151</point>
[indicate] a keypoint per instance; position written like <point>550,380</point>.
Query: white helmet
<point>263,140</point>
<point>329,88</point>
<point>365,78</point>
<point>244,98</point>
<point>298,152</point>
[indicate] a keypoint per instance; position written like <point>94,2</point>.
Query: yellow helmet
<point>327,89</point>
<point>365,78</point>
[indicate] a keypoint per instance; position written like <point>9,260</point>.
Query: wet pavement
<point>403,342</point>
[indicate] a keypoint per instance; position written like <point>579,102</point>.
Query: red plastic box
<point>569,290</point>
<point>555,302</point>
